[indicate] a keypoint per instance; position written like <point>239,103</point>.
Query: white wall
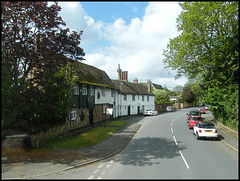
<point>120,105</point>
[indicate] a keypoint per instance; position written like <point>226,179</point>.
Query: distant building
<point>132,98</point>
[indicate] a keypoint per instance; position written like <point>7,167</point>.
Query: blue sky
<point>132,34</point>
<point>115,10</point>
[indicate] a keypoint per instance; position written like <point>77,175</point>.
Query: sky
<point>132,34</point>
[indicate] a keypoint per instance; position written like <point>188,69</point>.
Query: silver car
<point>170,109</point>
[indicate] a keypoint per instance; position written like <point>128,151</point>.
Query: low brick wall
<point>58,131</point>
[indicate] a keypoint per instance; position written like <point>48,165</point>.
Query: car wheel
<point>197,136</point>
<point>216,138</point>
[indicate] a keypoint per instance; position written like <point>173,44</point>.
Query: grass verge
<point>91,137</point>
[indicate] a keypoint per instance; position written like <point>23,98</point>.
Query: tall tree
<point>34,46</point>
<point>208,47</point>
<point>161,96</point>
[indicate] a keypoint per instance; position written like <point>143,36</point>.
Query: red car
<point>194,120</point>
<point>202,110</point>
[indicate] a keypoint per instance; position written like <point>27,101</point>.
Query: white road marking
<point>172,130</point>
<point>100,165</point>
<point>175,140</point>
<point>184,159</point>
<point>96,171</point>
<point>91,177</point>
<point>171,124</point>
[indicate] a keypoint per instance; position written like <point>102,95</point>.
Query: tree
<point>161,96</point>
<point>208,48</point>
<point>34,48</point>
<point>187,95</point>
<point>178,90</point>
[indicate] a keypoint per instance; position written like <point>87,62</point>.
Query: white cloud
<point>138,47</point>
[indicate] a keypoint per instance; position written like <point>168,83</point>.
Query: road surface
<point>163,148</point>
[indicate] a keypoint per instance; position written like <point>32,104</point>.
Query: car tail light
<point>215,131</point>
<point>200,131</point>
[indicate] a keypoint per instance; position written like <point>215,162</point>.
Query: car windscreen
<point>197,119</point>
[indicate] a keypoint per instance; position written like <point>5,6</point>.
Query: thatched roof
<point>88,74</point>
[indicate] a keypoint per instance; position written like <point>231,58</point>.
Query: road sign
<point>109,111</point>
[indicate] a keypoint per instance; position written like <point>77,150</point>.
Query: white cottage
<point>132,98</point>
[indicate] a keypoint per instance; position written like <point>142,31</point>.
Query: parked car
<point>207,107</point>
<point>193,113</point>
<point>205,129</point>
<point>170,109</point>
<point>150,112</point>
<point>202,110</point>
<point>194,120</point>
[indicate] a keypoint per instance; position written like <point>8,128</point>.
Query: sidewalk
<point>59,160</point>
<point>228,136</point>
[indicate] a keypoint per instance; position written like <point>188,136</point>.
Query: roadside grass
<point>91,137</point>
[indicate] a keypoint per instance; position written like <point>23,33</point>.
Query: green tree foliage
<point>208,48</point>
<point>36,77</point>
<point>178,90</point>
<point>188,95</point>
<point>161,96</point>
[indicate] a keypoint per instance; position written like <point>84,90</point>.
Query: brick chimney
<point>119,72</point>
<point>135,81</point>
<point>149,86</point>
<point>122,75</point>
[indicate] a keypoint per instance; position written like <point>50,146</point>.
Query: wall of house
<point>123,105</point>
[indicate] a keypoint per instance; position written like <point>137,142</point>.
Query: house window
<point>124,97</point>
<point>91,90</point>
<point>103,92</point>
<point>73,114</point>
<point>84,89</point>
<point>76,89</point>
<point>133,97</point>
<point>147,97</point>
<point>142,97</point>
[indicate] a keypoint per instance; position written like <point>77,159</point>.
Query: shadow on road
<point>144,150</point>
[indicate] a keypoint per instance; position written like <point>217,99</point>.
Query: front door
<point>90,116</point>
<point>129,110</point>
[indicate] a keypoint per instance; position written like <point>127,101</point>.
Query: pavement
<point>45,163</point>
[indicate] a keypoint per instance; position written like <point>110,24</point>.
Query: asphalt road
<point>163,148</point>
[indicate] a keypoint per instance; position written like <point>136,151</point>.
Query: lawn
<point>91,137</point>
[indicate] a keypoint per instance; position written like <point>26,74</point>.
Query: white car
<point>150,113</point>
<point>207,107</point>
<point>205,129</point>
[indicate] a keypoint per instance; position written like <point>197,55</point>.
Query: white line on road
<point>96,171</point>
<point>184,159</point>
<point>91,177</point>
<point>172,130</point>
<point>175,140</point>
<point>171,123</point>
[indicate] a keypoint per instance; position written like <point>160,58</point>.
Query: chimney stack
<point>135,81</point>
<point>119,72</point>
<point>122,75</point>
<point>149,86</point>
